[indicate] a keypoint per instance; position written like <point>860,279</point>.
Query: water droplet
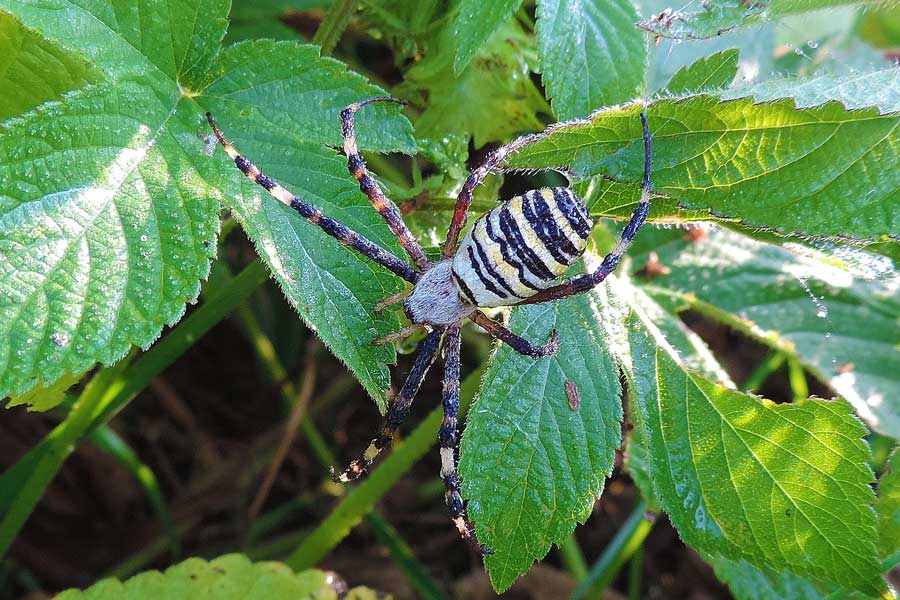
<point>812,44</point>
<point>60,339</point>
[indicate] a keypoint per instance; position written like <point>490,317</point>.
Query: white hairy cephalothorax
<point>435,299</point>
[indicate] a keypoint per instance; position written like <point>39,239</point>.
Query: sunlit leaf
<point>780,486</point>
<point>109,211</point>
<point>844,330</point>
<point>823,171</point>
<point>297,101</point>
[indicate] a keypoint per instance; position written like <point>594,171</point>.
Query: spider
<point>513,255</point>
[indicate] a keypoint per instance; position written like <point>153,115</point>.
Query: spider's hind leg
<point>398,410</point>
<point>448,437</point>
<point>517,343</point>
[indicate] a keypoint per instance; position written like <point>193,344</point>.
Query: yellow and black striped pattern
<point>521,247</point>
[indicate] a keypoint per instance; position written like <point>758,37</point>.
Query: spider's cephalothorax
<point>512,255</point>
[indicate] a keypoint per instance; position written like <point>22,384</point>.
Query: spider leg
<point>398,410</point>
<point>583,283</point>
<point>335,229</point>
<point>519,344</point>
<point>392,300</point>
<point>448,437</point>
<point>398,335</point>
<point>385,207</point>
<point>464,199</point>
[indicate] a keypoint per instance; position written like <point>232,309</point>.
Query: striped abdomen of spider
<point>511,253</point>
<point>514,254</point>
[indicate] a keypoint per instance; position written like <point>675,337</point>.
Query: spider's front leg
<point>385,207</point>
<point>343,234</point>
<point>399,408</point>
<point>448,437</point>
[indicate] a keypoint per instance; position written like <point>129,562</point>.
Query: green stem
<point>403,556</point>
<point>361,499</point>
<point>573,559</point>
<point>105,395</point>
<point>797,377</point>
<point>110,442</point>
<point>26,481</point>
<point>333,25</point>
<point>765,370</point>
<point>626,541</point>
<point>635,573</point>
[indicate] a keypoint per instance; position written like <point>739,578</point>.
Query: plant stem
<point>765,370</point>
<point>22,485</point>
<point>573,559</point>
<point>626,541</point>
<point>797,377</point>
<point>634,574</point>
<point>110,442</point>
<point>401,553</point>
<point>333,25</point>
<point>363,497</point>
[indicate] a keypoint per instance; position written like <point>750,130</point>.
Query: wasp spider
<point>512,255</point>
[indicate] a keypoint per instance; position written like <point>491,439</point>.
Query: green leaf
<point>722,16</point>
<point>226,577</point>
<point>273,86</point>
<point>106,228</point>
<point>44,397</point>
<point>108,202</point>
<point>803,302</point>
<point>888,507</point>
<point>279,102</point>
<point>496,82</point>
<point>167,42</point>
<point>531,465</point>
<point>253,19</point>
<point>879,89</point>
<point>822,171</point>
<point>780,486</point>
<point>475,22</point>
<point>34,70</point>
<point>747,582</point>
<point>107,221</point>
<point>707,73</point>
<point>591,54</point>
